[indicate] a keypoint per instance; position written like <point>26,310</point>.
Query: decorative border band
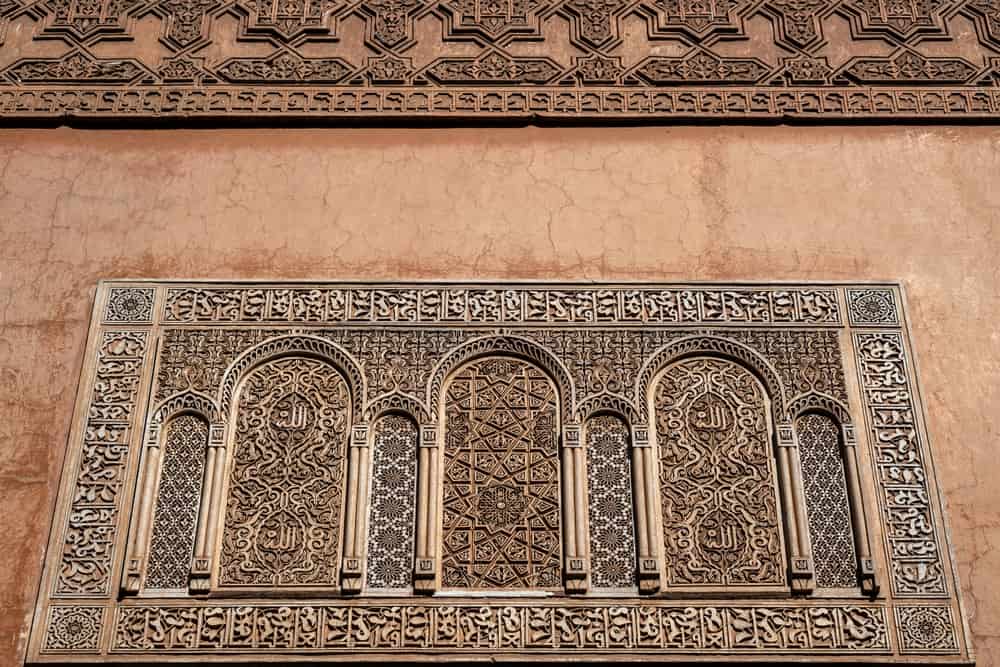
<point>486,627</point>
<point>831,103</point>
<point>900,466</point>
<point>87,556</point>
<point>513,305</point>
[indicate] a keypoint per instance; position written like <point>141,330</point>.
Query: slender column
<point>357,476</point>
<point>135,560</point>
<point>645,488</point>
<point>425,567</point>
<point>859,524</point>
<point>796,523</point>
<point>209,511</point>
<point>576,566</point>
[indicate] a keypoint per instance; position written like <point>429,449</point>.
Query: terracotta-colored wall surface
<point>919,204</point>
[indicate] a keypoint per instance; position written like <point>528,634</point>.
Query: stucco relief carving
<point>509,470</point>
<point>721,523</point>
<point>595,59</point>
<point>285,495</point>
<point>501,525</point>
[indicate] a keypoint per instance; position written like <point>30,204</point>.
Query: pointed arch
<point>815,401</point>
<point>607,402</point>
<point>506,344</point>
<point>297,345</point>
<point>400,402</point>
<point>707,345</point>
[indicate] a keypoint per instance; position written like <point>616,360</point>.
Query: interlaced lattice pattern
<point>393,502</point>
<point>609,487</point>
<point>827,505</point>
<point>177,501</point>
<point>501,524</point>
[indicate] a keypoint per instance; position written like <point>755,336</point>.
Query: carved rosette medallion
<point>130,304</point>
<point>721,521</point>
<point>872,307</point>
<point>73,629</point>
<point>926,629</point>
<point>284,510</point>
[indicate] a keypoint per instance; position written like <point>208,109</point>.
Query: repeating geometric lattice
<point>609,487</point>
<point>501,524</point>
<point>178,499</point>
<point>392,512</point>
<point>286,484</point>
<point>827,505</point>
<point>717,480</point>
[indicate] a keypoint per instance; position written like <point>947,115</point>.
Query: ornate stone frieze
<point>509,305</point>
<point>636,60</point>
<point>487,628</point>
<point>645,472</point>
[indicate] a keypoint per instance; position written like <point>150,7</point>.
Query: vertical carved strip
<point>425,568</point>
<point>135,559</point>
<point>646,495</point>
<point>210,511</point>
<point>392,504</point>
<point>859,521</point>
<point>914,555</point>
<point>88,552</point>
<point>357,481</point>
<point>796,523</point>
<point>574,519</point>
<point>609,474</point>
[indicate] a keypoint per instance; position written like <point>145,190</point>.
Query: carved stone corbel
<point>645,490</point>
<point>138,546</point>
<point>356,511</point>
<point>425,569</point>
<point>209,511</point>
<point>801,569</point>
<point>859,523</point>
<point>576,568</point>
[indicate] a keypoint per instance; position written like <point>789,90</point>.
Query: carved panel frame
<point>860,369</point>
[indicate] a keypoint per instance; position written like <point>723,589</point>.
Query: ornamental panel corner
<point>513,471</point>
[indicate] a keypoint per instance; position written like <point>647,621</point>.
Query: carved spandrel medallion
<point>286,484</point>
<point>721,524</point>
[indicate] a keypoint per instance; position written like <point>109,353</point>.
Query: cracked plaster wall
<point>917,204</point>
